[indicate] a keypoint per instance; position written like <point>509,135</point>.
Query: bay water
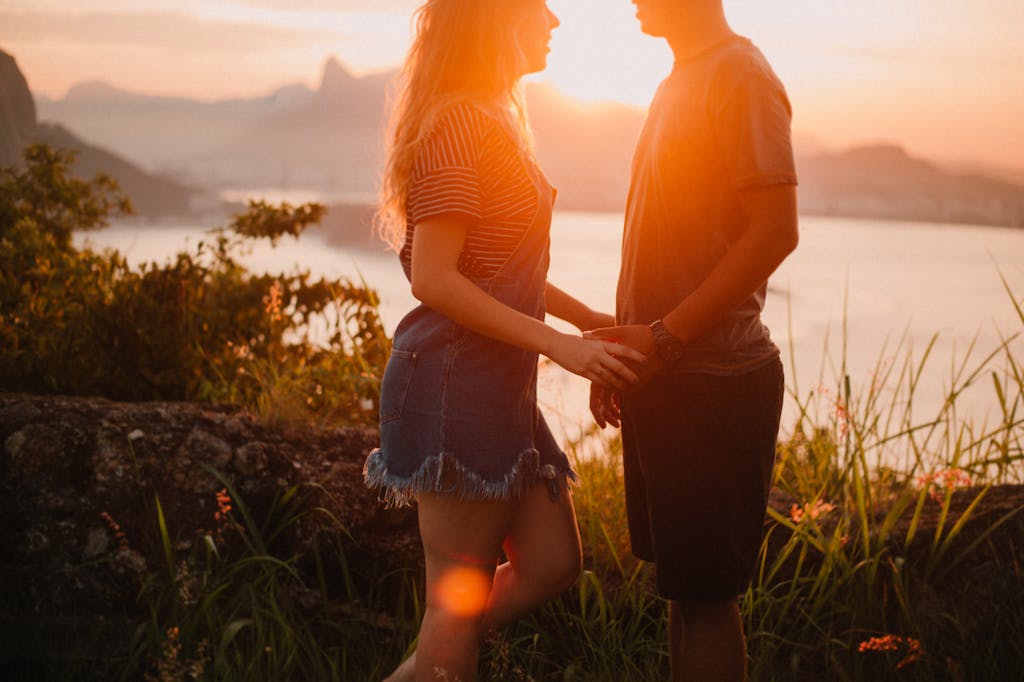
<point>856,296</point>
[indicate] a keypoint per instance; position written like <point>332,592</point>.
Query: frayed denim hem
<point>444,474</point>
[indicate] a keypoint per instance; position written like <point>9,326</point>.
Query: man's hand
<point>638,337</point>
<point>604,405</point>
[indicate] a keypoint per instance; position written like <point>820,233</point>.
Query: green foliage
<point>46,199</point>
<point>200,326</point>
<point>239,604</point>
<point>849,585</point>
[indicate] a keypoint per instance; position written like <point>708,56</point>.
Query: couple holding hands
<point>685,367</point>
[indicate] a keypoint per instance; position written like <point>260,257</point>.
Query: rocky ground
<point>79,480</point>
<point>72,468</point>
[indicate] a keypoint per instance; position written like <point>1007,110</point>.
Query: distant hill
<point>326,138</point>
<point>329,139</point>
<point>152,196</point>
<point>885,181</point>
<point>183,137</point>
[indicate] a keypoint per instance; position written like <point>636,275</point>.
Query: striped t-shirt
<point>471,169</point>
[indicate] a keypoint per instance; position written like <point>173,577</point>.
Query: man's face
<point>657,17</point>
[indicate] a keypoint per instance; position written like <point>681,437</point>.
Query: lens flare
<point>463,591</point>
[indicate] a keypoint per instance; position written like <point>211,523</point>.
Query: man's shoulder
<point>741,59</point>
<point>741,69</point>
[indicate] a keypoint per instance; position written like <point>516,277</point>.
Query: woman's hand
<point>635,336</point>
<point>596,359</point>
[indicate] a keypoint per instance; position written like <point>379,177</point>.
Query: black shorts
<point>698,453</point>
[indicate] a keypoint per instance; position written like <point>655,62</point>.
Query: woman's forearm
<point>566,307</point>
<point>456,297</point>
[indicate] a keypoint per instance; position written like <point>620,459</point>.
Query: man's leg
<point>707,642</point>
<point>705,448</point>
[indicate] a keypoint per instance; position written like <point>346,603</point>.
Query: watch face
<point>669,348</point>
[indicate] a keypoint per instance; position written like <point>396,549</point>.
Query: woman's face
<point>533,34</point>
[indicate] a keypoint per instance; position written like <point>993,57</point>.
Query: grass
<point>852,583</point>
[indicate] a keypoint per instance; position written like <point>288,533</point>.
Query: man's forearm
<point>758,252</point>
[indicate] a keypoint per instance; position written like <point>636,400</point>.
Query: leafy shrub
<point>199,327</point>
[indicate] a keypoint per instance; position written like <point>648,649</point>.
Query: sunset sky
<point>945,78</point>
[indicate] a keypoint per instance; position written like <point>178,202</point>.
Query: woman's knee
<point>571,565</point>
<point>544,545</point>
<point>558,570</point>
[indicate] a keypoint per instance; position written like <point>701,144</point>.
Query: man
<point>711,214</point>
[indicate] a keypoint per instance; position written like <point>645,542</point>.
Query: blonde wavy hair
<point>462,51</point>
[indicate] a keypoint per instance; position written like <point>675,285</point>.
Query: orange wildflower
<point>272,302</point>
<point>910,646</point>
<point>122,539</point>
<point>839,410</point>
<point>811,510</point>
<point>842,416</point>
<point>223,505</point>
<point>944,481</point>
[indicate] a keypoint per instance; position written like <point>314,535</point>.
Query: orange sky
<point>945,78</point>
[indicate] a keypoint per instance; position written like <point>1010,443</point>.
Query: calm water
<point>888,280</point>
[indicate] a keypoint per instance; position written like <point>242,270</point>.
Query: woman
<point>469,212</point>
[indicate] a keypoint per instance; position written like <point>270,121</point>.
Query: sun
<point>599,55</point>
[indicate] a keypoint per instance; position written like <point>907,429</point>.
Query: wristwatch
<point>668,347</point>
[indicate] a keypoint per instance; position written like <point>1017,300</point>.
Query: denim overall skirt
<point>458,410</point>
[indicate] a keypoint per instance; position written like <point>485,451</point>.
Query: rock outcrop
<point>79,483</point>
<point>17,111</point>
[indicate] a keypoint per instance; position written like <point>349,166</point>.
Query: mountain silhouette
<point>151,195</point>
<point>329,139</point>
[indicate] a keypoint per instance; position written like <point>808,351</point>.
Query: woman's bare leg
<point>461,546</point>
<point>544,557</point>
<point>543,547</point>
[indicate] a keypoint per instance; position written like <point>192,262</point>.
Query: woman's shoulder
<point>466,118</point>
<point>474,133</point>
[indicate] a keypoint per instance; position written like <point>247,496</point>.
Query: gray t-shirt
<point>718,124</point>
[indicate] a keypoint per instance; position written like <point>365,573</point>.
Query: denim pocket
<point>395,386</point>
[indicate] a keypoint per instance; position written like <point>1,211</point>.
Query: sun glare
<point>601,55</point>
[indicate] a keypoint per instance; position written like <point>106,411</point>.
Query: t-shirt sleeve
<point>445,179</point>
<point>752,127</point>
